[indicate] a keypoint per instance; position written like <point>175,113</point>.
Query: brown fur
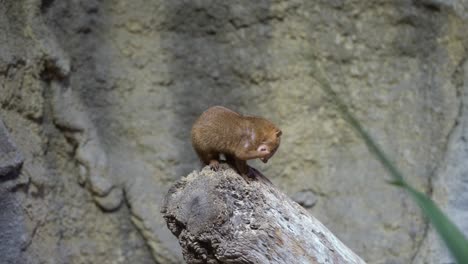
<point>219,130</point>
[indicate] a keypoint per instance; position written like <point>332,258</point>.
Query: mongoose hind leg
<point>211,159</point>
<point>231,161</point>
<point>241,167</point>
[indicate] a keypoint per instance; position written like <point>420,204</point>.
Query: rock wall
<point>99,97</point>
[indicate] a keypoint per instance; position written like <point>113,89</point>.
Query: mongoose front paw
<point>214,165</point>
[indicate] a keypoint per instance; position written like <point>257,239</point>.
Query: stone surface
<point>11,158</point>
<point>111,201</point>
<point>12,229</point>
<point>47,217</point>
<point>100,96</point>
<point>451,182</point>
<point>306,198</point>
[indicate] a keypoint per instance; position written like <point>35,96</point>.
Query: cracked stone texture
<point>138,73</point>
<point>451,181</point>
<point>11,158</point>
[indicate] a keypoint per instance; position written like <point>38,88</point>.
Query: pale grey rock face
<point>306,198</point>
<point>12,229</point>
<point>450,182</point>
<point>99,96</point>
<point>11,158</point>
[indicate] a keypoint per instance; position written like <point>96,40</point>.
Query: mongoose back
<point>219,130</point>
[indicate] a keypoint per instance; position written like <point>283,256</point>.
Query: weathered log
<point>219,217</point>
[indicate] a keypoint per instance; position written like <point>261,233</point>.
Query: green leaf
<point>451,235</point>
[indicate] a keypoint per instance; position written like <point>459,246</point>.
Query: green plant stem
<point>451,235</point>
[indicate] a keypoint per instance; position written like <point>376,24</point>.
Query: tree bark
<point>220,217</point>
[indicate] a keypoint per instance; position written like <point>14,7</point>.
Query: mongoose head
<point>269,144</point>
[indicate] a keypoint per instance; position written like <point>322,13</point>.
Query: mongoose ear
<point>279,133</point>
